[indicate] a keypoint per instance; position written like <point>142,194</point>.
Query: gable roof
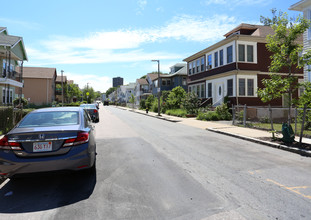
<point>154,76</point>
<point>2,29</point>
<point>252,30</point>
<point>9,40</point>
<point>142,81</point>
<point>38,72</point>
<point>300,6</point>
<point>59,79</point>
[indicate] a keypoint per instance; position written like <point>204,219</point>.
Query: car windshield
<point>43,119</point>
<point>90,106</point>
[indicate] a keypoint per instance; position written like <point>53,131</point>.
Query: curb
<point>255,140</point>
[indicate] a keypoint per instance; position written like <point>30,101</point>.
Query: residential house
<point>141,90</point>
<point>176,77</point>
<point>234,67</point>
<point>305,7</point>
<point>39,84</point>
<point>12,55</point>
<point>125,92</point>
<point>58,94</point>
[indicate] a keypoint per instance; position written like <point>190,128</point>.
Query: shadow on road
<point>44,192</point>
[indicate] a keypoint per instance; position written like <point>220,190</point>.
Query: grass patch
<point>177,112</point>
<point>278,127</point>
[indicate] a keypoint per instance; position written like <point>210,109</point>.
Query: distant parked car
<point>92,110</point>
<point>49,139</point>
<point>106,102</point>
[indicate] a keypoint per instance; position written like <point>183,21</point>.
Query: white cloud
<point>231,3</point>
<point>126,45</point>
<point>141,6</point>
<point>97,82</point>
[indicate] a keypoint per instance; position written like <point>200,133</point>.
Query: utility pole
<point>62,71</point>
<point>159,86</point>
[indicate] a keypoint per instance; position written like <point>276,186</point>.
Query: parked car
<point>106,102</point>
<point>92,110</point>
<point>49,139</point>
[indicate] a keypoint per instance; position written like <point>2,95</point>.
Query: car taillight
<point>82,137</point>
<point>95,111</point>
<point>5,144</point>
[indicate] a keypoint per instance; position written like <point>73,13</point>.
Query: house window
<point>209,90</point>
<point>250,87</point>
<point>198,90</point>
<point>230,87</point>
<point>221,57</point>
<point>202,91</point>
<point>190,67</point>
<point>198,65</point>
<point>193,67</point>
<point>241,52</point>
<point>184,81</point>
<point>168,82</point>
<point>209,61</point>
<point>216,59</point>
<point>163,82</point>
<point>250,53</point>
<point>202,64</point>
<point>229,54</point>
<point>190,89</point>
<point>3,96</point>
<point>242,87</point>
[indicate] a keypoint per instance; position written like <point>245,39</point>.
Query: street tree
<point>72,90</point>
<point>286,54</point>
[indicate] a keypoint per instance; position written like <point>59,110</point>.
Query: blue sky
<point>96,40</point>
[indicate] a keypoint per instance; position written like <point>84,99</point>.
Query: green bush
<point>223,112</point>
<point>142,104</point>
<point>191,103</point>
<point>177,112</point>
<point>175,98</point>
<point>208,116</point>
<point>23,101</point>
<point>154,106</point>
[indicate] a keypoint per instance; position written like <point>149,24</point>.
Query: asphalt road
<point>154,169</point>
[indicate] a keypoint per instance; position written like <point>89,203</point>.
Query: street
<point>155,169</point>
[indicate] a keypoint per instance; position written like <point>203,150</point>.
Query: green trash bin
<point>288,133</point>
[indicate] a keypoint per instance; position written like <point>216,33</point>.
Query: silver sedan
<point>49,139</point>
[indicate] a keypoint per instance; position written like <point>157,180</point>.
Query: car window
<point>87,119</point>
<point>57,118</point>
<point>89,106</point>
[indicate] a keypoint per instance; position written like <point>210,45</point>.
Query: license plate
<point>42,146</point>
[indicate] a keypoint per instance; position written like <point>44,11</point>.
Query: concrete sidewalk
<point>226,128</point>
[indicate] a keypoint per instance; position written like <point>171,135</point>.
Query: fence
<point>9,117</point>
<point>271,118</point>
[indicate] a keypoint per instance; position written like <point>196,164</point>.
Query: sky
<point>93,41</point>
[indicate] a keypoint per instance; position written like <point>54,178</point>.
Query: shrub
<point>149,101</point>
<point>175,98</point>
<point>191,103</point>
<point>142,104</point>
<point>223,112</point>
<point>24,102</point>
<point>208,116</point>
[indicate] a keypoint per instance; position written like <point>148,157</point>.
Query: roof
<point>300,6</point>
<point>38,72</point>
<point>9,40</point>
<point>154,76</point>
<point>59,79</point>
<point>2,29</point>
<point>142,81</point>
<point>252,30</point>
